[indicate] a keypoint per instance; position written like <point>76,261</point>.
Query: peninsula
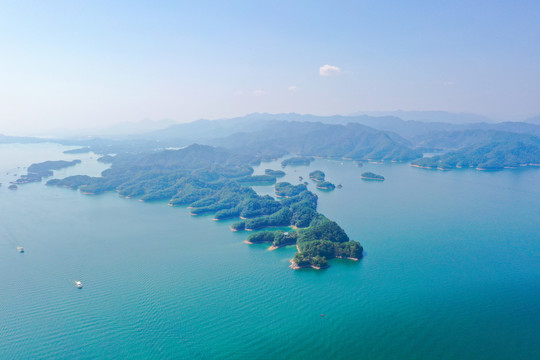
<point>83,150</point>
<point>36,172</point>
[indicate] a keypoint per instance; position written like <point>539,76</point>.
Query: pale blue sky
<point>88,63</point>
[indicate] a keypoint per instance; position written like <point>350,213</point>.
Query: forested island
<point>36,172</point>
<point>297,161</point>
<point>210,180</point>
<point>83,150</point>
<point>372,176</point>
<point>325,185</point>
<point>317,175</point>
<point>321,241</point>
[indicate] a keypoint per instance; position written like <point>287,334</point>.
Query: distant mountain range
<point>202,130</point>
<point>360,137</point>
<point>429,116</point>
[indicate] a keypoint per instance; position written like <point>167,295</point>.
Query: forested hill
<point>191,157</point>
<point>453,140</point>
<point>494,155</point>
<point>202,130</point>
<point>353,141</point>
<point>386,138</point>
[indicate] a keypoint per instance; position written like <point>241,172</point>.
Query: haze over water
<point>451,269</point>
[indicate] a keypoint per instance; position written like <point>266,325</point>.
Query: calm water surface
<point>451,271</point>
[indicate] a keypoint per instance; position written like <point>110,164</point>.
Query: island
<point>276,173</point>
<point>297,161</point>
<point>317,175</point>
<point>12,187</point>
<point>325,185</point>
<point>82,150</point>
<point>36,172</point>
<point>210,180</point>
<point>372,176</point>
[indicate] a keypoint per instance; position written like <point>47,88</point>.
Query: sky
<point>79,64</point>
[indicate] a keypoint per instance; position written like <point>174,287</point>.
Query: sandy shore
<point>422,167</point>
<point>348,258</point>
<point>273,247</point>
<point>295,266</point>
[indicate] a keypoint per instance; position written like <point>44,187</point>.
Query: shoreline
<point>369,178</point>
<point>473,167</point>
<point>295,266</point>
<point>347,258</point>
<point>423,167</point>
<point>271,248</point>
<point>274,247</point>
<point>265,227</point>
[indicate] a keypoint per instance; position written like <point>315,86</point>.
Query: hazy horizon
<point>89,65</point>
<point>140,126</point>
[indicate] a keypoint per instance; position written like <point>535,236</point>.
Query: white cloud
<point>293,88</point>
<point>259,92</point>
<point>329,70</point>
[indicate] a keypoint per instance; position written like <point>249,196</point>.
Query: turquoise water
<point>452,271</point>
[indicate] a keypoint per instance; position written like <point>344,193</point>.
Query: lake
<point>451,271</point>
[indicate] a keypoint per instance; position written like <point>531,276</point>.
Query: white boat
<point>78,284</point>
<point>20,249</point>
